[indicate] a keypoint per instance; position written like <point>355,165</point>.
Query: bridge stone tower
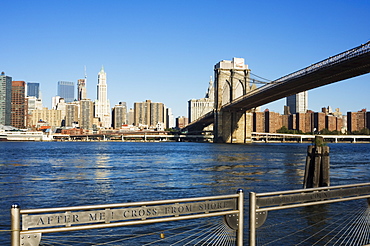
<point>231,81</point>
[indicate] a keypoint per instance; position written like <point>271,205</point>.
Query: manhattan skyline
<point>165,51</point>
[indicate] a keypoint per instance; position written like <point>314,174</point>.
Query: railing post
<point>252,219</point>
<point>241,218</point>
<point>15,224</point>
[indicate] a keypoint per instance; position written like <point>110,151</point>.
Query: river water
<point>59,174</point>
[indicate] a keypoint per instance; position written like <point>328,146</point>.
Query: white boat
<point>23,136</point>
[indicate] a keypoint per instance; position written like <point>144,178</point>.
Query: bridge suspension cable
<point>256,81</point>
<point>269,80</point>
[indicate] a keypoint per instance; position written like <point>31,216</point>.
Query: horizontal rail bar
<point>306,204</point>
<point>127,223</point>
<point>132,204</point>
<point>310,189</point>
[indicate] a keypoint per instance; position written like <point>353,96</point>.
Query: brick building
<point>18,104</point>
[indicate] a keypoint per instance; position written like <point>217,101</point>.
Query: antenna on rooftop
<point>85,72</point>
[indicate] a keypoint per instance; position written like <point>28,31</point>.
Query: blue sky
<point>165,51</point>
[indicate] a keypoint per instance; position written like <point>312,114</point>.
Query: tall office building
<point>81,89</point>
<point>102,105</point>
<point>19,106</point>
<point>298,103</point>
<point>66,90</point>
<point>5,99</point>
<point>119,115</point>
<point>33,89</point>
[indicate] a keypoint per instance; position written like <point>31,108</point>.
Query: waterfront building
<point>333,123</point>
<point>181,122</point>
<point>81,89</point>
<point>5,99</point>
<point>303,122</point>
<point>130,117</point>
<point>298,103</point>
<point>258,124</point>
<point>33,89</point>
<point>66,90</point>
<point>319,121</point>
<point>86,114</point>
<point>157,114</point>
<point>51,117</point>
<point>142,113</point>
<point>286,121</point>
<point>357,121</point>
<point>18,105</point>
<point>119,115</point>
<point>149,114</point>
<point>102,105</point>
<point>273,121</point>
<point>71,114</point>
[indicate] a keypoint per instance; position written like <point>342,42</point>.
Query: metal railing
<point>260,204</point>
<point>28,225</point>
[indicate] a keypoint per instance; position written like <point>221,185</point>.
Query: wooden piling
<point>317,165</point>
<point>325,167</point>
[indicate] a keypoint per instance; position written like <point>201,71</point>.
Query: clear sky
<point>165,51</point>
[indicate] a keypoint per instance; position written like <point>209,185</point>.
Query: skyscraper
<point>298,103</point>
<point>19,106</point>
<point>66,90</point>
<point>33,89</point>
<point>102,105</point>
<point>5,99</point>
<point>81,89</point>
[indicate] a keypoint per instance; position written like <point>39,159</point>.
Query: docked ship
<point>23,136</point>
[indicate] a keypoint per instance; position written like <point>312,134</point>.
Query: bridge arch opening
<point>239,89</point>
<point>226,93</point>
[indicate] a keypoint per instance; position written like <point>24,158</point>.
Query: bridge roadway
<point>348,64</point>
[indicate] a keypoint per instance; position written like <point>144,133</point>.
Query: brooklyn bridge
<point>236,95</point>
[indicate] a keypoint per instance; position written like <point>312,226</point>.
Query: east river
<point>60,174</point>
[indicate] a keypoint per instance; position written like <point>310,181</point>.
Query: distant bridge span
<point>348,64</point>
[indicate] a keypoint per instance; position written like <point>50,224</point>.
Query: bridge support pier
<point>233,127</point>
